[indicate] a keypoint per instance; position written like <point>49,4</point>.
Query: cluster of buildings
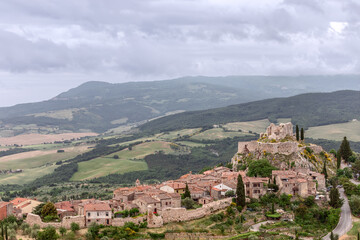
<point>210,186</point>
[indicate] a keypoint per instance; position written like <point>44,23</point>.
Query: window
<point>107,214</point>
<point>88,214</point>
<point>89,220</point>
<point>97,213</point>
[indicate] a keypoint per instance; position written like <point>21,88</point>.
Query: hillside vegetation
<point>307,110</point>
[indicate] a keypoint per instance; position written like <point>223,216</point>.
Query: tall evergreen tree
<point>358,236</point>
<point>345,150</point>
<point>297,133</point>
<point>240,192</point>
<point>335,200</point>
<point>324,171</point>
<point>302,134</point>
<point>338,159</point>
<point>187,193</point>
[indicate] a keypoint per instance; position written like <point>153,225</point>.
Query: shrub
<point>48,209</point>
<point>62,231</point>
<point>354,203</point>
<point>50,218</point>
<point>309,201</point>
<point>188,203</point>
<point>156,235</point>
<point>49,233</point>
<point>74,227</point>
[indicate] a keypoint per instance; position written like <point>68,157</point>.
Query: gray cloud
<point>116,40</point>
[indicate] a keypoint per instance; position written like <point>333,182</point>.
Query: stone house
<point>65,209</point>
<point>291,182</point>
<point>145,201</point>
<point>6,210</point>
<point>128,194</point>
<point>169,200</point>
<point>205,200</point>
<point>99,213</point>
<point>255,187</point>
<point>174,187</point>
<point>24,206</point>
<point>219,191</point>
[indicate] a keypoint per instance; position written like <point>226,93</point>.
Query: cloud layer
<point>116,40</point>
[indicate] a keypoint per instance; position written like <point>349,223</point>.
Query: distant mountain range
<point>100,106</point>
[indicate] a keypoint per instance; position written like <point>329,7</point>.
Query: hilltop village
<point>297,175</point>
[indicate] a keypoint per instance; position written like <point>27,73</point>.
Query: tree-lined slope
<point>313,109</point>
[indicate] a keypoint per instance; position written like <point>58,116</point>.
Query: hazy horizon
<point>50,47</point>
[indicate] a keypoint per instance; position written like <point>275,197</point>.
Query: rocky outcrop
<point>278,132</point>
<point>279,146</point>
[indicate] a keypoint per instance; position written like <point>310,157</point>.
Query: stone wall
<point>119,222</point>
<point>286,148</point>
<point>181,214</point>
<point>33,219</point>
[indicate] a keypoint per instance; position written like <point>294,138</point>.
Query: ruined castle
<point>277,144</point>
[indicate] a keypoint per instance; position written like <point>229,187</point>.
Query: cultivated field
<point>253,126</point>
<point>27,160</point>
<point>336,131</point>
<point>128,161</point>
<point>176,134</point>
<point>217,133</point>
<point>32,139</point>
<point>27,176</point>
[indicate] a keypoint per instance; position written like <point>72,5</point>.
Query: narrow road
<point>345,222</point>
<point>256,227</point>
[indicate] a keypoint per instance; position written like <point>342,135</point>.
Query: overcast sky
<point>49,46</point>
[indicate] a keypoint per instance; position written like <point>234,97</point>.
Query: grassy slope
<point>128,161</point>
<point>39,158</point>
<point>217,133</point>
<point>307,110</point>
<point>254,126</point>
<point>336,131</point>
<point>27,176</point>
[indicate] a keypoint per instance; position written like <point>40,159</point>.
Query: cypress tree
<point>302,134</point>
<point>297,133</point>
<point>187,193</point>
<point>324,171</point>
<point>272,208</point>
<point>6,232</point>
<point>335,200</point>
<point>345,150</point>
<point>358,236</point>
<point>240,192</point>
<point>338,160</point>
<point>332,236</point>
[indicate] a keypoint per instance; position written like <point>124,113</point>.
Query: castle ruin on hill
<point>280,147</point>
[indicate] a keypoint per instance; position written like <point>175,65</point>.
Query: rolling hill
<point>100,106</point>
<point>306,110</point>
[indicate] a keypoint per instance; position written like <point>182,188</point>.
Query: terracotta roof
<point>148,200</point>
<point>163,196</point>
<point>255,180</point>
<point>2,204</point>
<point>97,207</point>
<point>17,201</point>
<point>133,189</point>
<point>177,185</point>
<point>66,205</point>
